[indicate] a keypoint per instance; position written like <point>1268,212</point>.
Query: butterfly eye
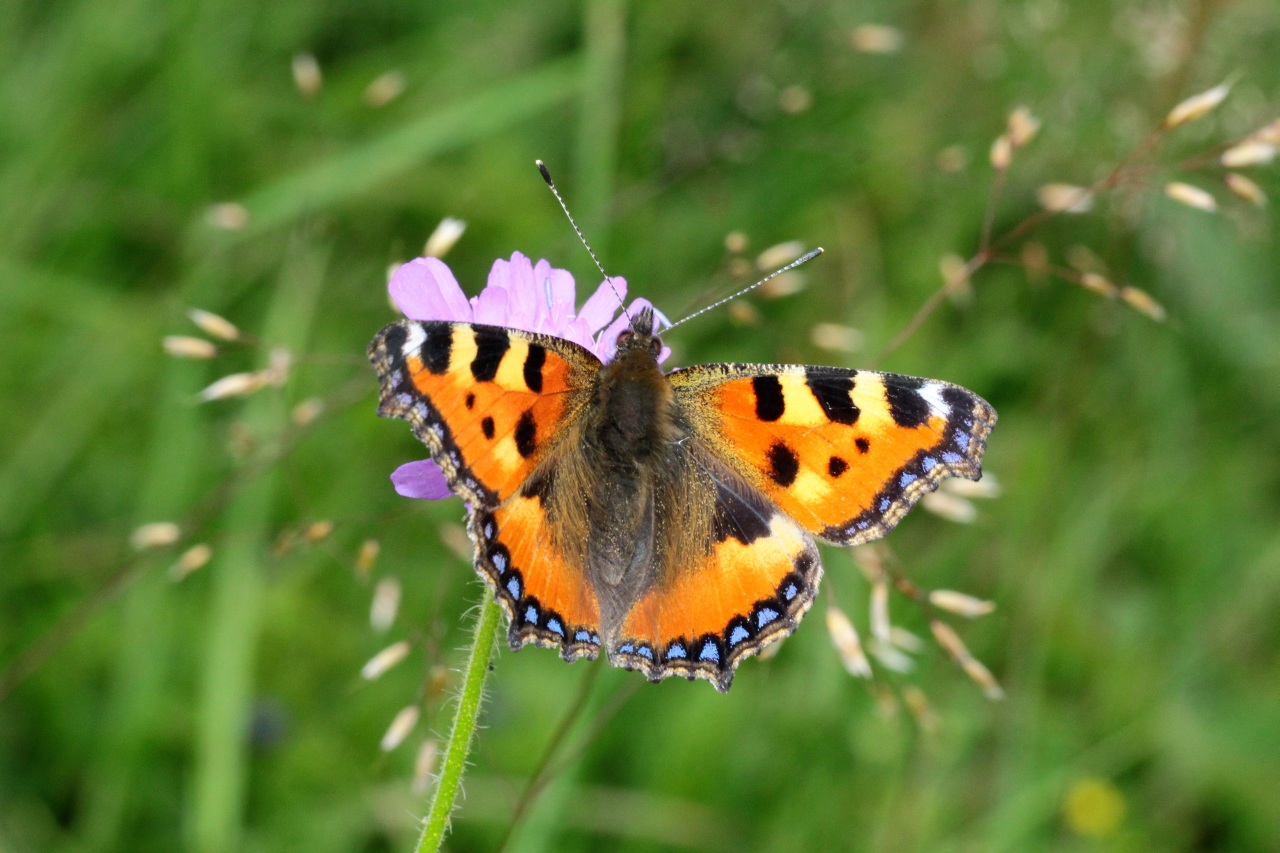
<point>624,339</point>
<point>655,346</point>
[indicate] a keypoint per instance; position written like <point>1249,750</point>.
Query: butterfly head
<point>640,337</point>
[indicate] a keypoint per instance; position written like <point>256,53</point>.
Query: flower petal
<point>516,278</point>
<point>422,479</point>
<point>580,332</point>
<point>600,306</point>
<point>492,306</point>
<point>425,289</point>
<point>556,292</point>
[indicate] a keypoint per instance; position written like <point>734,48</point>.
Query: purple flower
<point>519,295</point>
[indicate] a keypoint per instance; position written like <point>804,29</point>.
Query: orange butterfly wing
<point>547,599</point>
<point>757,581</point>
<point>846,453</point>
<point>489,401</point>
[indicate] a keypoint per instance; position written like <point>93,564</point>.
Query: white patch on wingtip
<point>413,341</point>
<point>932,392</point>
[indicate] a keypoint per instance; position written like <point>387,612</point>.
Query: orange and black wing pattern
<point>846,453</point>
<point>488,401</point>
<point>491,403</point>
<point>758,578</point>
<point>547,599</point>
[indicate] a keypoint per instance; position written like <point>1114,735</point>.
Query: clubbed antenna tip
<point>546,176</point>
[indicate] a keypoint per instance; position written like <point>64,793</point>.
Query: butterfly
<point>668,519</point>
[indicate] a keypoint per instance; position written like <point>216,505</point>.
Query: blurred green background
<point>1134,555</point>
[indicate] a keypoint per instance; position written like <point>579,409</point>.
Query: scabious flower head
<point>519,295</point>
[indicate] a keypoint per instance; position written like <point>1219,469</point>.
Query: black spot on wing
<point>836,466</point>
<point>435,348</point>
<point>769,402</point>
<point>486,426</point>
<point>533,361</point>
<point>902,393</point>
<point>833,394</point>
<point>526,434</point>
<point>470,401</point>
<point>741,513</point>
<point>784,465</point>
<point>862,444</point>
<point>538,485</point>
<point>492,344</point>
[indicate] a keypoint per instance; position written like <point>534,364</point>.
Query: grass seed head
<point>1245,189</point>
<point>1248,153</point>
<point>443,238</point>
<point>318,531</point>
<point>1023,127</point>
<point>214,325</point>
<point>881,628</point>
<point>795,99</point>
<point>384,89</point>
<point>157,534</point>
<point>1099,284</point>
<point>1001,152</point>
<point>735,242</point>
<point>921,711</point>
<point>786,284</point>
<point>306,75</point>
<point>1191,196</point>
<point>366,557</point>
<point>305,413</point>
<point>845,638</point>
<point>876,38</point>
<point>950,507</point>
<point>227,216</point>
<point>1141,301</point>
<point>960,603</point>
<point>1065,198</point>
<point>194,558</point>
<point>1197,106</point>
<point>400,728</point>
<point>183,346</point>
<point>838,338</point>
<point>384,660</point>
<point>779,255</point>
<point>385,604</point>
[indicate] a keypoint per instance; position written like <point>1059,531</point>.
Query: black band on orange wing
<point>845,453</point>
<point>957,452</point>
<point>487,401</point>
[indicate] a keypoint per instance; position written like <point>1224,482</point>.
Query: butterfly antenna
<point>803,259</point>
<point>546,176</point>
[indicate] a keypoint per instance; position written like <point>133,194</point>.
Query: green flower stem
<point>464,726</point>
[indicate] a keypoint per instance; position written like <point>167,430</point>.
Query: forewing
<point>844,452</point>
<point>488,401</point>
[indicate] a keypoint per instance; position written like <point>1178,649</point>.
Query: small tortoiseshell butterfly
<point>668,518</point>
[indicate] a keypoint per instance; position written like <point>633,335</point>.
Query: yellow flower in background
<point>1093,807</point>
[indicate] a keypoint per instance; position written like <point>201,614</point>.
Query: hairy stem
<point>464,726</point>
